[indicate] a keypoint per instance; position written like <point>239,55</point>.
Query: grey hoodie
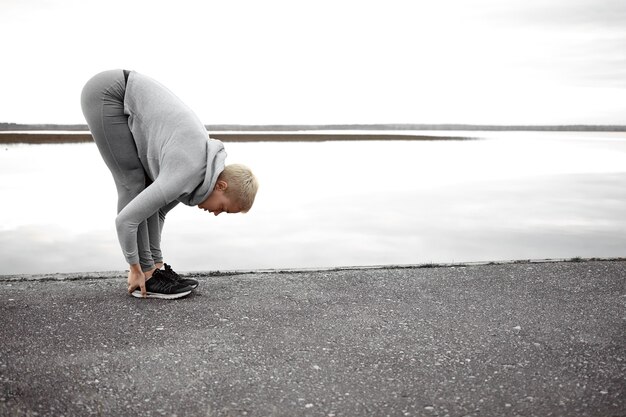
<point>175,151</point>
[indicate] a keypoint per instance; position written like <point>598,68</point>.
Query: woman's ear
<point>221,185</point>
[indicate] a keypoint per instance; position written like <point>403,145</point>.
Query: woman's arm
<point>147,203</point>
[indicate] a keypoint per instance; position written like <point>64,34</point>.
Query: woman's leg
<point>102,102</point>
<point>156,223</point>
<point>154,233</point>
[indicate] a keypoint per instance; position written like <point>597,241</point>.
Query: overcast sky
<point>266,62</point>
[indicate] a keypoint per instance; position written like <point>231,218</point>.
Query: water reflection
<point>509,196</point>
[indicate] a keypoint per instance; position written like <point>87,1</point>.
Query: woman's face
<point>217,202</point>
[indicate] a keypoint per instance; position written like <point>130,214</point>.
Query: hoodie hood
<point>216,156</point>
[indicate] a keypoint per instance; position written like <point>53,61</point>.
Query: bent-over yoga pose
<point>159,154</point>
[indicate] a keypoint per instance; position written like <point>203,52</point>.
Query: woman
<point>159,154</point>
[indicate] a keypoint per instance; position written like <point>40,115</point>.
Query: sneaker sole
<point>149,294</point>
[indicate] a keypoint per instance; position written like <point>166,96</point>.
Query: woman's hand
<point>136,279</point>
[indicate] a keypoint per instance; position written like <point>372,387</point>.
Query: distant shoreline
<point>34,137</point>
<point>40,134</point>
<point>17,127</point>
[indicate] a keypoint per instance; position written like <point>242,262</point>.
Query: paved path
<point>494,340</point>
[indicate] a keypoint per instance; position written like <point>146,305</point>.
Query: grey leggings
<point>102,101</point>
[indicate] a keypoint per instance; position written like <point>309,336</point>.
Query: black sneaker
<point>190,282</point>
<point>162,286</point>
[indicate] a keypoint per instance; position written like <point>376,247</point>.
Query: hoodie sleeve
<point>148,202</point>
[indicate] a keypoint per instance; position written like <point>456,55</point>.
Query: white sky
<point>266,62</point>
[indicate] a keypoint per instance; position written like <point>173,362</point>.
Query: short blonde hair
<point>242,185</point>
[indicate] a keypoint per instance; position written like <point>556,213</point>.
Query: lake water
<point>504,196</point>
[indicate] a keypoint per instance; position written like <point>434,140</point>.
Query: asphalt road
<point>527,339</point>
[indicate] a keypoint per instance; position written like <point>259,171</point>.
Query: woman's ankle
<point>148,273</point>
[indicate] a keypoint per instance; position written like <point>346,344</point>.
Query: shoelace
<point>170,270</point>
<point>164,280</point>
<point>170,273</point>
